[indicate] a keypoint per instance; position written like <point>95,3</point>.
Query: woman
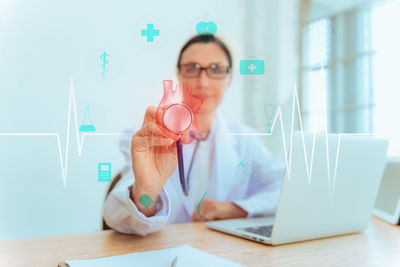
<point>238,172</point>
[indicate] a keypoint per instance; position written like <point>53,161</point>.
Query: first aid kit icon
<point>252,67</point>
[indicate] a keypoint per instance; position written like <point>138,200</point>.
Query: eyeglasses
<point>214,71</point>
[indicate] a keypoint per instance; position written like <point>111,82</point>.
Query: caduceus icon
<point>105,61</point>
<point>269,114</point>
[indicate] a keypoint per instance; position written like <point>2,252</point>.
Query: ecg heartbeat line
<point>288,158</point>
<point>278,115</point>
<point>79,140</point>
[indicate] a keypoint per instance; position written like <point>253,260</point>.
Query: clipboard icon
<point>104,170</point>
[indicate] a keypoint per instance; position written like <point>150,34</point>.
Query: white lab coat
<point>255,188</point>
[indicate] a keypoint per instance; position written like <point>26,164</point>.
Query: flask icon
<point>87,125</point>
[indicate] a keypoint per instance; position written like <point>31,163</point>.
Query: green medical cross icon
<point>150,33</point>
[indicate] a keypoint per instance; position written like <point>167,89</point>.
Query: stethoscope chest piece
<point>178,118</point>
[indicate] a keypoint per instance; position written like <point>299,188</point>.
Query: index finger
<point>150,114</point>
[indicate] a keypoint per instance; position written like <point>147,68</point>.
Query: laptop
<point>387,205</point>
<point>331,197</point>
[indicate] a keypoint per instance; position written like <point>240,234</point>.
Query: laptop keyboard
<point>259,230</point>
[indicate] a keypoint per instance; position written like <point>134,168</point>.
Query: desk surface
<point>379,245</point>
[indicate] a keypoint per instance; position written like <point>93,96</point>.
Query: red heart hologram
<point>176,114</point>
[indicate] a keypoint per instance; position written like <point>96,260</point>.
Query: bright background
<point>44,44</point>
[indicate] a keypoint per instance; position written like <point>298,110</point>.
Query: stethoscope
<point>178,119</point>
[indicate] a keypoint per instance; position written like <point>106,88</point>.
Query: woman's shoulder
<point>250,145</point>
<point>240,128</point>
<point>247,137</point>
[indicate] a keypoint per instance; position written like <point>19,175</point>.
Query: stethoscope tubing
<point>179,149</point>
<point>182,178</point>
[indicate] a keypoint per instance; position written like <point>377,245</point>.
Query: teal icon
<point>250,172</point>
<point>206,30</point>
<point>150,32</point>
<point>103,57</point>
<point>145,200</point>
<point>87,125</point>
<point>242,163</point>
<point>244,168</point>
<point>269,110</point>
<point>206,27</point>
<point>104,172</point>
<point>252,67</point>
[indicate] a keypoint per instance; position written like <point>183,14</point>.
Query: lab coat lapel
<point>188,201</point>
<point>223,169</point>
<point>225,160</point>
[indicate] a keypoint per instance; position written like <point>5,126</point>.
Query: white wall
<point>45,43</point>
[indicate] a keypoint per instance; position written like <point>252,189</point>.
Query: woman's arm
<point>123,215</point>
<point>210,210</point>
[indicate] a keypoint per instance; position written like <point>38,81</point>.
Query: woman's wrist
<point>145,200</point>
<point>229,210</point>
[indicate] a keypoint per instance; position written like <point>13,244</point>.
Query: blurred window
<point>356,91</point>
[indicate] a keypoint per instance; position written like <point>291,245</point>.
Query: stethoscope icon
<point>178,119</point>
<point>269,114</point>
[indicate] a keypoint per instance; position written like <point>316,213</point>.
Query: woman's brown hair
<point>206,38</point>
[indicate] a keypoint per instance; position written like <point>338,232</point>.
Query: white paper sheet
<point>187,256</point>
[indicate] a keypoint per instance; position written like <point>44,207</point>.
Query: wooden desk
<point>379,245</point>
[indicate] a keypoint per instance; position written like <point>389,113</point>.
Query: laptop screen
<point>389,191</point>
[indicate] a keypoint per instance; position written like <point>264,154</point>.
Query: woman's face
<point>209,89</point>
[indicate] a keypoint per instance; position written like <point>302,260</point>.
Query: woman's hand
<point>210,210</point>
<point>154,159</point>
